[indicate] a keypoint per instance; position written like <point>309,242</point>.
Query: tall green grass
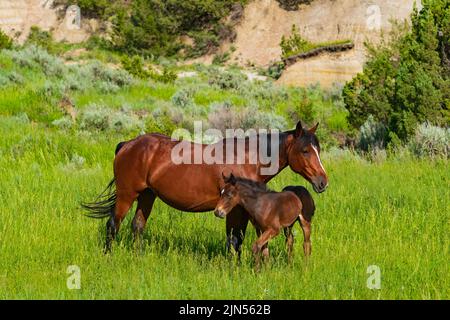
<point>393,214</point>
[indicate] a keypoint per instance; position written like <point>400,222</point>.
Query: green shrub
<point>292,5</point>
<point>431,141</point>
<point>90,8</point>
<point>296,44</point>
<point>303,111</point>
<point>167,76</point>
<point>40,38</point>
<point>405,81</point>
<point>221,58</point>
<point>135,66</point>
<point>204,42</point>
<point>275,70</point>
<point>5,41</point>
<point>153,27</point>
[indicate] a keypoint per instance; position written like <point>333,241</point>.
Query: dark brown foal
<point>269,211</point>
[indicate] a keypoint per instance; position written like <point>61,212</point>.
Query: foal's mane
<point>252,188</point>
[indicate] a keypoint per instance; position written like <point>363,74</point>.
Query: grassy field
<point>393,214</point>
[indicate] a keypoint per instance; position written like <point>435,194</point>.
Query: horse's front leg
<point>237,221</point>
<point>259,245</point>
<point>306,227</point>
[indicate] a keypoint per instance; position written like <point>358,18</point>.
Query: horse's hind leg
<point>289,242</point>
<point>264,248</point>
<point>306,227</point>
<point>123,204</point>
<point>144,207</point>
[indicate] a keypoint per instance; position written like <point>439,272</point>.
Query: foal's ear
<point>228,179</point>
<point>298,130</point>
<point>224,177</point>
<point>232,179</point>
<point>313,129</point>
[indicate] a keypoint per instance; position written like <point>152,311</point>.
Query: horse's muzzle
<point>219,213</point>
<point>320,185</point>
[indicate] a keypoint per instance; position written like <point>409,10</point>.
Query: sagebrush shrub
<point>226,80</point>
<point>372,135</point>
<point>225,116</point>
<point>183,97</point>
<point>35,57</point>
<point>101,118</point>
<point>99,72</point>
<point>94,118</point>
<point>63,123</point>
<point>431,141</point>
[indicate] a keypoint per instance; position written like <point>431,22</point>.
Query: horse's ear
<point>232,179</point>
<point>313,129</point>
<point>298,130</point>
<point>228,176</point>
<point>224,177</point>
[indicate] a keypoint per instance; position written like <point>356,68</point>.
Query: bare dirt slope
<point>264,23</point>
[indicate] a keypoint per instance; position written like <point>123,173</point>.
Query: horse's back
<point>305,197</point>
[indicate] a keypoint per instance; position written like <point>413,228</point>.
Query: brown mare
<point>144,170</point>
<point>269,211</point>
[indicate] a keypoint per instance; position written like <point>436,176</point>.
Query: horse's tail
<point>104,205</point>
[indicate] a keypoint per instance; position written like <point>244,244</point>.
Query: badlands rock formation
<point>18,16</point>
<point>264,23</point>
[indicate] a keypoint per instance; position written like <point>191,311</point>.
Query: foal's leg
<point>259,245</point>
<point>306,227</point>
<point>145,203</point>
<point>265,248</point>
<point>289,242</point>
<point>237,221</point>
<point>123,203</point>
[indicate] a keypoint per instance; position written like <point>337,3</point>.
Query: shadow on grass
<point>161,239</point>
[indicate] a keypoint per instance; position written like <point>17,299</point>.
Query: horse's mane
<point>252,188</point>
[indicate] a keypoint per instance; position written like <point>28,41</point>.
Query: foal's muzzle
<point>219,213</point>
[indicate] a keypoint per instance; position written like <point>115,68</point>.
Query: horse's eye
<point>305,151</point>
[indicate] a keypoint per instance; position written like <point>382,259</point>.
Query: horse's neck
<point>283,162</point>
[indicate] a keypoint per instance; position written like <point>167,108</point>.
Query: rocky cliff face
<point>264,23</point>
<point>258,34</point>
<point>18,16</point>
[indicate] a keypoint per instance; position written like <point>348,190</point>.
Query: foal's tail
<point>103,206</point>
